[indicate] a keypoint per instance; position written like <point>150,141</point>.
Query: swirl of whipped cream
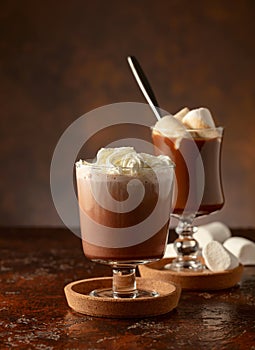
<point>127,160</point>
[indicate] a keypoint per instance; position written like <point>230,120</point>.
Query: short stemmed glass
<point>124,219</point>
<point>198,187</point>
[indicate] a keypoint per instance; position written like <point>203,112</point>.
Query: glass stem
<point>124,281</point>
<point>185,244</point>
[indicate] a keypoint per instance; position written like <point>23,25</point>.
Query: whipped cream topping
<point>126,160</point>
<point>196,122</point>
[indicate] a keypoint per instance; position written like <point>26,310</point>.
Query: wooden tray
<point>205,280</point>
<point>78,298</point>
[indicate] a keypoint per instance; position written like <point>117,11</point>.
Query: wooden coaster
<point>78,298</point>
<point>205,280</point>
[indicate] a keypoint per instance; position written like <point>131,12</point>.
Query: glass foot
<point>123,285</point>
<point>109,293</point>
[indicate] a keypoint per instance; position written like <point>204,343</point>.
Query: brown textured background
<point>61,59</point>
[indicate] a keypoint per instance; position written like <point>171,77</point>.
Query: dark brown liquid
<point>150,249</point>
<point>210,151</point>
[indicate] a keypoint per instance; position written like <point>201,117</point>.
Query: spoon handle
<point>144,85</point>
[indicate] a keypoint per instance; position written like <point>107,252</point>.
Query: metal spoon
<point>144,85</point>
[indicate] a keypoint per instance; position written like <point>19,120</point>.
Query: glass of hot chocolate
<point>125,202</point>
<point>193,142</point>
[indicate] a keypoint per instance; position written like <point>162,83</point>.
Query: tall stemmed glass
<point>197,192</point>
<point>124,218</point>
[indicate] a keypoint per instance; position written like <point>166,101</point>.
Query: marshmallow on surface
<point>170,251</point>
<point>214,231</point>
<point>217,258</point>
<point>242,248</point>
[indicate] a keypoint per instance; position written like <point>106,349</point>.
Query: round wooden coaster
<point>205,280</point>
<point>78,298</point>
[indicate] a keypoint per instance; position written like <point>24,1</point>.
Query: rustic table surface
<point>36,264</point>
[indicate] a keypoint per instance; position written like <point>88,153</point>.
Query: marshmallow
<point>170,251</point>
<point>181,114</point>
<point>195,123</point>
<point>217,258</point>
<point>215,231</point>
<point>199,118</point>
<point>172,128</point>
<point>242,248</point>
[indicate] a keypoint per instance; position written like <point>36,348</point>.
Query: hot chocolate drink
<point>210,150</point>
<point>122,197</point>
<point>178,144</point>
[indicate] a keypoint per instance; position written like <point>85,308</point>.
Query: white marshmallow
<point>199,118</point>
<point>217,258</point>
<point>214,231</point>
<point>181,114</point>
<point>170,251</point>
<point>242,248</point>
<point>234,260</point>
<point>172,128</point>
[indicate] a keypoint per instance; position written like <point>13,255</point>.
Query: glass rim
<point>80,164</point>
<point>193,130</point>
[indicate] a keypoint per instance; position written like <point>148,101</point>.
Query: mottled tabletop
<point>36,264</point>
